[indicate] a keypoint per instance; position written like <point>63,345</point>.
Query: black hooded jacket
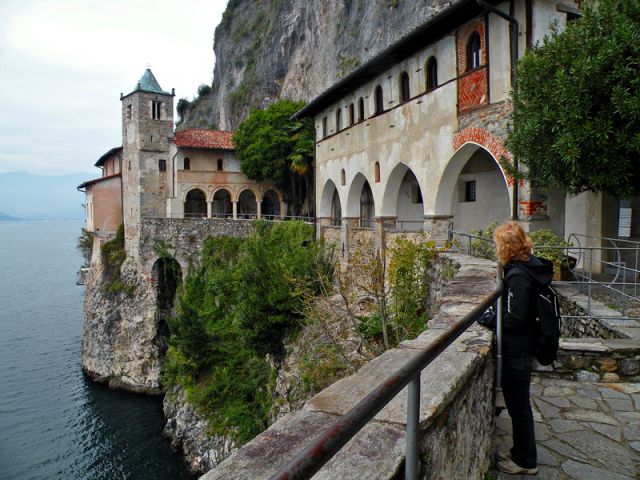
<point>522,283</point>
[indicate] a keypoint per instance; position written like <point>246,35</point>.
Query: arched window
<point>343,179</point>
<point>187,163</point>
<point>220,165</point>
<point>377,172</point>
<point>474,51</point>
<point>338,119</point>
<point>432,73</point>
<point>352,114</point>
<point>379,101</point>
<point>361,109</point>
<point>403,84</point>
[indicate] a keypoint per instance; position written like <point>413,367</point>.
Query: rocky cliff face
<point>272,49</point>
<point>123,342</point>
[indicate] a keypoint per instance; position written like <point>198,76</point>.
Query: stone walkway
<point>584,431</point>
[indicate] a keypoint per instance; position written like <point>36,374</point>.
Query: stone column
<point>322,222</point>
<point>209,209</point>
<point>258,209</point>
<point>437,227</point>
<point>235,209</point>
<point>348,223</point>
<point>382,225</point>
<point>283,210</point>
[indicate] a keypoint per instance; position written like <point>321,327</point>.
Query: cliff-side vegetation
<point>271,146</point>
<point>113,256</point>
<point>235,308</point>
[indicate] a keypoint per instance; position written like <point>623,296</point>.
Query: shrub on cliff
<point>234,308</point>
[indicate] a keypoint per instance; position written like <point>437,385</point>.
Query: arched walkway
<point>222,206</point>
<point>403,199</point>
<point>247,206</point>
<point>473,189</point>
<point>195,204</point>
<point>270,205</point>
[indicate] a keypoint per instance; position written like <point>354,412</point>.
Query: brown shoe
<point>509,466</point>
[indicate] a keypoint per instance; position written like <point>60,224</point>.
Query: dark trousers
<point>516,378</point>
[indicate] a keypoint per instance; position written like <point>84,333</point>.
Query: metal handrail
<point>331,440</point>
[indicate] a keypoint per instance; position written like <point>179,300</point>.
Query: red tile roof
<point>208,139</point>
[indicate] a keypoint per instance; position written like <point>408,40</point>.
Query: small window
<point>162,165</point>
<point>187,163</point>
<point>156,109</point>
<point>324,127</point>
<point>338,119</point>
<point>343,179</point>
<point>470,191</point>
<point>129,114</point>
<point>432,73</point>
<point>474,51</point>
<point>361,109</point>
<point>377,172</point>
<point>379,101</point>
<point>352,114</point>
<point>220,165</point>
<point>405,94</point>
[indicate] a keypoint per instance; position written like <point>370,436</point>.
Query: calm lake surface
<point>55,424</point>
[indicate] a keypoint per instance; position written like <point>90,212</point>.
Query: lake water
<point>54,423</point>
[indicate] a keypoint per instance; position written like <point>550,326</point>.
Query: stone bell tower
<point>147,126</point>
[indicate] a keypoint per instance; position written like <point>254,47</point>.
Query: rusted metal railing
<point>323,448</point>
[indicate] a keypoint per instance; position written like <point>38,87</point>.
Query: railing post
<point>412,462</point>
<point>499,314</point>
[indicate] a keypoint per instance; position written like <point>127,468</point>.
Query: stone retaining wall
<point>456,413</point>
<point>595,349</point>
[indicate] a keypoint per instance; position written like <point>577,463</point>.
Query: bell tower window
<point>156,110</point>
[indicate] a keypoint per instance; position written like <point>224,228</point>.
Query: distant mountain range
<point>27,196</point>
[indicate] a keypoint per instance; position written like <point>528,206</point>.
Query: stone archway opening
<point>403,200</point>
<point>473,190</point>
<point>367,207</point>
<point>270,205</point>
<point>167,274</point>
<point>195,205</point>
<point>222,206</point>
<point>247,206</point>
<point>336,209</point>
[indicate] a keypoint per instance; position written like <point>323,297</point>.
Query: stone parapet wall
<point>456,403</point>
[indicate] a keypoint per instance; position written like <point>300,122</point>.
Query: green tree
<point>271,146</point>
<point>576,119</point>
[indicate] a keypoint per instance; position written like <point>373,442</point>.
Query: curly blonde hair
<point>512,243</point>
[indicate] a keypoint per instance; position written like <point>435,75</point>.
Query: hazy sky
<point>63,64</point>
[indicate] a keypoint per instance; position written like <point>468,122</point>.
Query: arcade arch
<point>270,205</point>
<point>222,206</point>
<point>195,204</point>
<point>247,206</point>
<point>403,199</point>
<point>473,189</point>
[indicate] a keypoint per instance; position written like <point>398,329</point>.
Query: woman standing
<point>524,275</point>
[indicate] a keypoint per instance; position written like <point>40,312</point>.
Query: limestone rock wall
<point>296,49</point>
<point>122,344</point>
<point>188,432</point>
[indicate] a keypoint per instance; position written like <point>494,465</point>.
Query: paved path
<point>584,431</point>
